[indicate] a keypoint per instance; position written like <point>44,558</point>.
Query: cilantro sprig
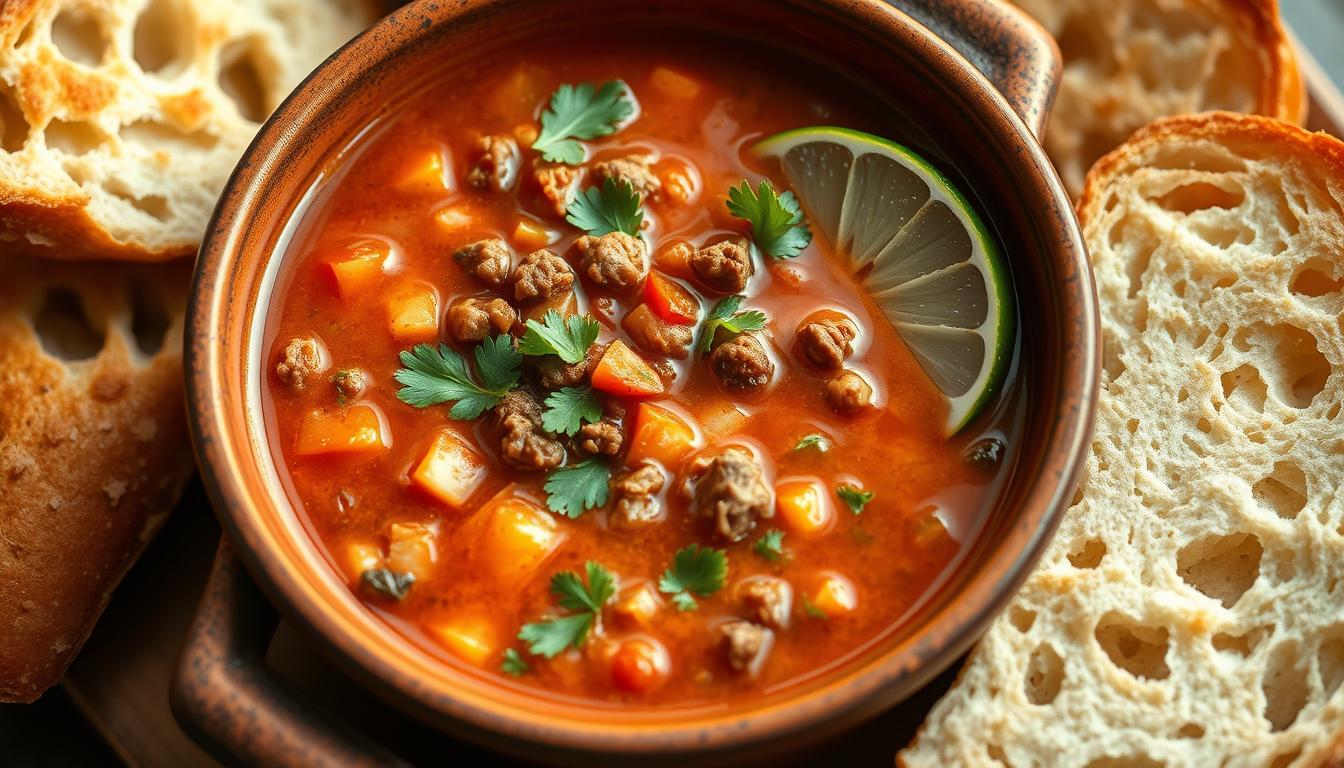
<point>815,440</point>
<point>569,337</point>
<point>695,570</point>
<point>577,488</point>
<point>612,207</point>
<point>725,315</point>
<point>549,638</point>
<point>432,376</point>
<point>777,225</point>
<point>581,112</point>
<point>771,545</point>
<point>855,498</point>
<point>569,407</point>
<point>514,664</point>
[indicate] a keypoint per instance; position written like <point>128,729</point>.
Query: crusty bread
<point>93,447</point>
<point>1129,62</point>
<point>1190,611</point>
<point>120,120</point>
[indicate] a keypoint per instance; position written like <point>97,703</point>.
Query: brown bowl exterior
<point>862,39</point>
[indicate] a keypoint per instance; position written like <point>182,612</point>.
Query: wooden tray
<point>120,680</point>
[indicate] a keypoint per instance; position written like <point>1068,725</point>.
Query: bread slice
<point>1190,611</point>
<point>93,447</point>
<point>1129,62</point>
<point>120,120</point>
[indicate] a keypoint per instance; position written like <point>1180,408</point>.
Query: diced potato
<point>516,538</point>
<point>350,430</point>
<point>834,595</point>
<point>359,265</point>
<point>411,548</point>
<point>674,84</point>
<point>450,470</point>
<point>804,506</point>
<point>473,638</point>
<point>623,372</point>
<point>722,420</point>
<point>429,174</point>
<point>530,235</point>
<point>456,218</point>
<point>675,257</point>
<point>566,304</point>
<point>360,556</point>
<point>660,435</point>
<point>637,606</point>
<point>413,314</point>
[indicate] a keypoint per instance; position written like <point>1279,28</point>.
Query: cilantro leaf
<point>577,488</point>
<point>432,376</point>
<point>854,498</point>
<point>573,595</point>
<point>725,316</point>
<point>387,582</point>
<point>810,608</point>
<point>514,664</point>
<point>569,407</point>
<point>771,545</point>
<point>777,225</point>
<point>814,440</point>
<point>581,112</point>
<point>694,570</point>
<point>555,335</point>
<point>548,638</point>
<point>612,207</point>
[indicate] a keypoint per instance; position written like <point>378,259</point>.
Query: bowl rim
<point>222,447</point>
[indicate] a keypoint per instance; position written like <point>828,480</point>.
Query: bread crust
<point>93,452</point>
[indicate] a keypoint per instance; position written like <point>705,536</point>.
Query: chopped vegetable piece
<point>639,665</point>
<point>361,556</point>
<point>814,440</point>
<point>514,664</point>
<point>455,219</point>
<point>362,264</point>
<point>623,372</point>
<point>413,315</point>
<point>771,545</point>
<point>355,429</point>
<point>429,175</point>
<point>387,582</point>
<point>566,305</point>
<point>661,435</point>
<point>804,506</point>
<point>777,225</point>
<point>411,548</point>
<point>581,112</point>
<point>577,488</point>
<point>429,376</point>
<point>722,419</point>
<point>450,470</point>
<point>529,235</point>
<point>673,83</point>
<point>670,301</point>
<point>725,315</point>
<point>638,606</point>
<point>512,539</point>
<point>569,407</point>
<point>612,207</point>
<point>697,570</point>
<point>834,596</point>
<point>549,638</point>
<point>555,335</point>
<point>473,638</point>
<point>810,608</point>
<point>855,498</point>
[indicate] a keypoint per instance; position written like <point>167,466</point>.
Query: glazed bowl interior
<point>241,271</point>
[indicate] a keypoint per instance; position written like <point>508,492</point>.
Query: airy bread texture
<point>120,120</point>
<point>1190,611</point>
<point>1129,62</point>
<point>93,447</point>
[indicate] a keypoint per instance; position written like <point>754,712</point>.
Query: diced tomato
<point>359,264</point>
<point>640,665</point>
<point>351,430</point>
<point>413,314</point>
<point>473,638</point>
<point>670,300</point>
<point>530,235</point>
<point>661,435</point>
<point>450,470</point>
<point>805,506</point>
<point>623,372</point>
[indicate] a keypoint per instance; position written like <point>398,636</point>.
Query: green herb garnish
<point>854,498</point>
<point>697,570</point>
<point>581,112</point>
<point>814,440</point>
<point>777,225</point>
<point>577,488</point>
<point>569,337</point>
<point>431,376</point>
<point>612,207</point>
<point>569,407</point>
<point>514,664</point>
<point>771,545</point>
<point>725,315</point>
<point>387,582</point>
<point>810,608</point>
<point>548,638</point>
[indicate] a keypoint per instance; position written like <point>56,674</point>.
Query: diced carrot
<point>805,506</point>
<point>360,263</point>
<point>350,430</point>
<point>530,235</point>
<point>413,314</point>
<point>514,538</point>
<point>640,665</point>
<point>430,174</point>
<point>411,548</point>
<point>834,595</point>
<point>360,556</point>
<point>473,638</point>
<point>675,257</point>
<point>673,83</point>
<point>623,372</point>
<point>637,606</point>
<point>722,419</point>
<point>661,435</point>
<point>566,304</point>
<point>455,218</point>
<point>450,470</point>
<point>670,300</point>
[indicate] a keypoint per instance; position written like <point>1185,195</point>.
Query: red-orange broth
<point>699,105</point>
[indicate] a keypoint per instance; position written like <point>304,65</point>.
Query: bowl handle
<point>1009,48</point>
<point>224,695</point>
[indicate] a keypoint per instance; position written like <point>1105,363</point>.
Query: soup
<point>562,414</point>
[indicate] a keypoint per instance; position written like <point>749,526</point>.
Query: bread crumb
<point>114,490</point>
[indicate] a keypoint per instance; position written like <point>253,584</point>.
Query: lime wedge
<point>920,248</point>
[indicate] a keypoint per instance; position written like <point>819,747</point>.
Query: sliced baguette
<point>120,120</point>
<point>1129,62</point>
<point>1190,611</point>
